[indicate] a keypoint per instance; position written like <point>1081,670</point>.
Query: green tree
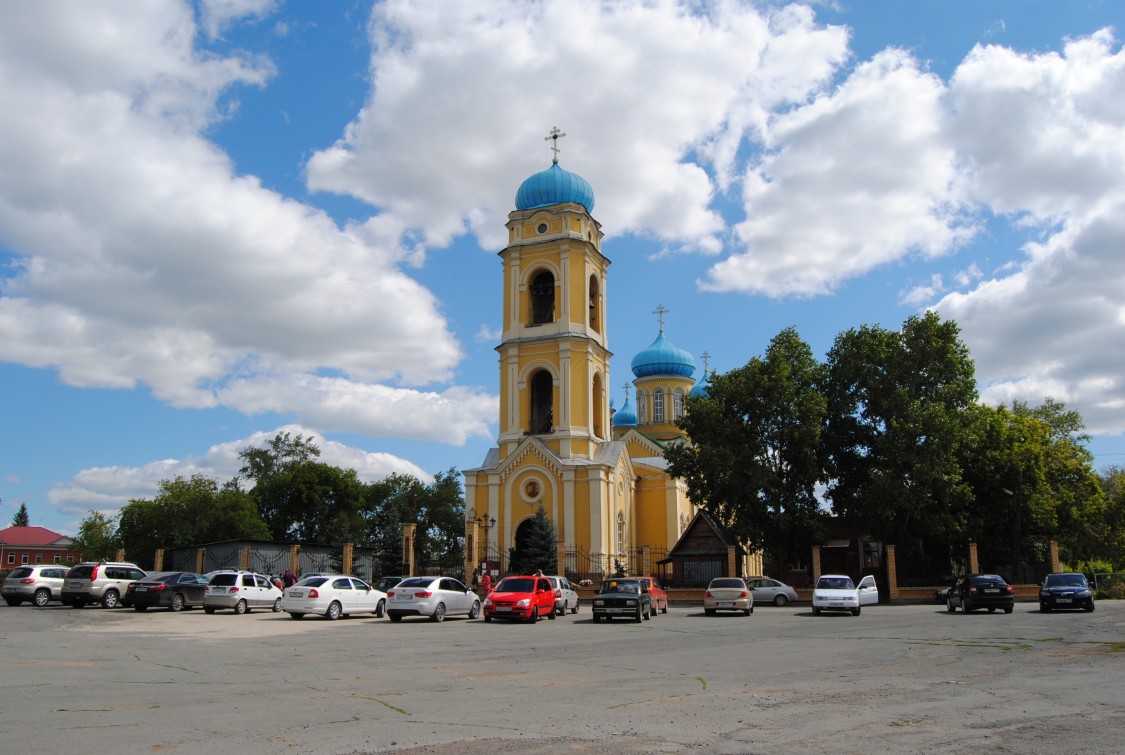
<point>188,512</point>
<point>1112,546</point>
<point>752,459</point>
<point>437,509</point>
<point>97,538</point>
<point>538,548</point>
<point>21,519</point>
<point>898,407</point>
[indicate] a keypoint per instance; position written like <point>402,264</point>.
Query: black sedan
<point>623,598</point>
<point>973,591</point>
<point>1065,591</point>
<point>174,590</point>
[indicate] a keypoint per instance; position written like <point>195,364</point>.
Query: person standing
<point>289,578</point>
<point>486,584</point>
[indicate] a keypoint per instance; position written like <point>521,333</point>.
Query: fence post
<point>245,566</point>
<point>408,548</point>
<point>158,560</point>
<point>349,551</point>
<point>1054,556</point>
<point>974,562</point>
<point>200,555</point>
<point>560,554</point>
<point>815,563</point>
<point>892,574</point>
<point>732,566</point>
<point>295,558</point>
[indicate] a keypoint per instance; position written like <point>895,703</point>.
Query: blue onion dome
<point>663,358</point>
<point>554,186</point>
<point>699,390</point>
<point>625,416</point>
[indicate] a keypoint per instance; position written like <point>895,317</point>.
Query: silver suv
<point>99,582</point>
<point>242,591</point>
<point>38,583</point>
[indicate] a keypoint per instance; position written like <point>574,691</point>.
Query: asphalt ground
<point>907,678</point>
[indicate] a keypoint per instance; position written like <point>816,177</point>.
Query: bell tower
<point>554,360</point>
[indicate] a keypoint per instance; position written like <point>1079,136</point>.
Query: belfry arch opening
<point>595,299</point>
<point>543,298</point>
<point>541,417</point>
<point>597,401</point>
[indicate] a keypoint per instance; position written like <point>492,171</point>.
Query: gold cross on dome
<point>553,137</point>
<point>660,311</point>
<point>706,360</point>
<point>626,393</point>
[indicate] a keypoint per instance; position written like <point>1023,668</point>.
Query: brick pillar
<point>974,562</point>
<point>158,560</point>
<point>892,574</point>
<point>349,555</point>
<point>646,560</point>
<point>815,563</point>
<point>295,558</point>
<point>408,548</point>
<point>561,555</point>
<point>245,561</point>
<point>200,555</point>
<point>732,563</point>
<point>1053,555</point>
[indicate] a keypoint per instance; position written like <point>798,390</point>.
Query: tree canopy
<point>22,518</point>
<point>97,538</point>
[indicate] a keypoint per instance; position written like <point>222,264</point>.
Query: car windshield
<point>737,584</point>
<point>516,585</point>
<point>835,583</point>
<point>619,587</point>
<point>1065,580</point>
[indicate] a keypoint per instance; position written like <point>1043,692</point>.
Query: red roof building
<point>35,545</point>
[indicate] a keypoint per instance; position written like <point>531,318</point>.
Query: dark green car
<point>623,598</point>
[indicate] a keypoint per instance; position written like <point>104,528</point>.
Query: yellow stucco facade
<point>555,448</point>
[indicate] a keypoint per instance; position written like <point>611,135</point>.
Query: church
<point>599,475</point>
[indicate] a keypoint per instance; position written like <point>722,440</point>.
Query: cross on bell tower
<point>660,311</point>
<point>554,137</point>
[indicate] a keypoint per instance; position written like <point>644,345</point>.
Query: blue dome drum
<point>554,186</point>
<point>663,358</point>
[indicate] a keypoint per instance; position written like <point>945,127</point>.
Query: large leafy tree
<point>1112,546</point>
<point>437,508</point>
<point>97,538</point>
<point>188,512</point>
<point>898,406</point>
<point>752,459</point>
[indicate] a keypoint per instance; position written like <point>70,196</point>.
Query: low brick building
<point>35,545</point>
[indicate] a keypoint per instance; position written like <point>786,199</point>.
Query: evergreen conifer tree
<point>539,549</point>
<point>21,519</point>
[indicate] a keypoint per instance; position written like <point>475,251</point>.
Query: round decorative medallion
<point>532,490</point>
<point>542,228</point>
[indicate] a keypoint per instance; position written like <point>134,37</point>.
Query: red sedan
<point>520,598</point>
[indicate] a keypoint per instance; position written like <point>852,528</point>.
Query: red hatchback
<point>520,598</point>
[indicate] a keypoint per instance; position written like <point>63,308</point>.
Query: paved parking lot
<point>895,679</point>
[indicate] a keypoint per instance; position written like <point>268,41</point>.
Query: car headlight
<point>523,603</point>
<point>630,602</point>
<point>487,602</point>
<point>1082,594</point>
<point>599,603</point>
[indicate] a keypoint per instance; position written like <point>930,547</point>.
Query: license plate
<point>992,589</point>
<point>404,597</point>
<point>503,608</point>
<point>620,610</point>
<point>74,583</point>
<point>1062,600</point>
<point>141,589</point>
<point>725,604</point>
<point>218,590</point>
<point>296,594</point>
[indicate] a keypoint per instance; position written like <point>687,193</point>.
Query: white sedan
<point>333,596</point>
<point>435,597</point>
<point>837,592</point>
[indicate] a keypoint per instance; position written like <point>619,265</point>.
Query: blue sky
<point>221,220</point>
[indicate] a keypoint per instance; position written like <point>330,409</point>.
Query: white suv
<point>102,582</point>
<point>566,599</point>
<point>38,583</point>
<point>242,591</point>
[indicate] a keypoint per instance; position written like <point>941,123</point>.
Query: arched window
<point>658,405</point>
<point>642,416</point>
<point>597,400</point>
<point>542,418</point>
<point>620,532</point>
<point>594,298</point>
<point>542,298</point>
<point>677,403</point>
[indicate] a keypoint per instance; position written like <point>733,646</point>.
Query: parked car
<point>99,582</point>
<point>332,597</point>
<point>386,583</point>
<point>174,590</point>
<point>35,583</point>
<point>766,591</point>
<point>566,599</point>
<point>520,598</point>
<point>973,591</point>
<point>1065,590</point>
<point>242,591</point>
<point>942,593</point>
<point>623,597</point>
<point>435,597</point>
<point>728,594</point>
<point>656,592</point>
<point>837,592</point>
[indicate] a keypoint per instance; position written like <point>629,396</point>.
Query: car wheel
<point>241,607</point>
<point>333,612</point>
<point>748,611</point>
<point>474,612</point>
<point>109,600</point>
<point>439,612</point>
<point>1009,609</point>
<point>1090,607</point>
<point>380,609</point>
<point>641,616</point>
<point>966,607</point>
<point>297,616</point>
<point>575,609</point>
<point>140,609</point>
<point>709,611</point>
<point>653,612</point>
<point>597,618</point>
<point>992,609</point>
<point>561,611</point>
<point>208,610</point>
<point>665,608</point>
<point>648,616</point>
<point>177,603</point>
<point>395,617</point>
<point>780,601</point>
<point>42,598</point>
<point>277,606</point>
<point>487,619</point>
<point>949,605</point>
<point>534,615</point>
<point>12,601</point>
<point>1043,608</point>
<point>855,611</point>
<point>815,611</point>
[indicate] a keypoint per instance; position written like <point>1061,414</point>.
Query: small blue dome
<point>554,186</point>
<point>662,358</point>
<point>625,416</point>
<point>699,390</point>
